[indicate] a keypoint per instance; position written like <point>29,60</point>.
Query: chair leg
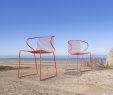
<point>35,64</point>
<point>40,66</point>
<point>66,68</point>
<point>79,69</point>
<point>90,61</point>
<point>77,62</point>
<point>55,63</point>
<point>19,65</point>
<point>81,63</point>
<point>41,79</point>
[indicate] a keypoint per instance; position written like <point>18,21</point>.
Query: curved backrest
<point>77,46</point>
<point>41,43</point>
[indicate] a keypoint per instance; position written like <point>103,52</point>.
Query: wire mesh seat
<point>78,48</point>
<point>39,45</point>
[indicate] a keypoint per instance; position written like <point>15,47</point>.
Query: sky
<point>88,20</point>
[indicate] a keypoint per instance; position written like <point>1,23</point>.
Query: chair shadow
<point>7,68</point>
<point>76,73</point>
<point>73,73</point>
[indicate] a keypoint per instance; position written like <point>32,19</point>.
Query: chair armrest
<point>27,42</point>
<point>86,47</point>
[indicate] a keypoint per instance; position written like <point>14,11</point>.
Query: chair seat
<point>39,52</point>
<point>80,53</point>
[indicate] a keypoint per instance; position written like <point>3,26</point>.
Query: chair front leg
<point>19,64</point>
<point>77,61</point>
<point>35,61</point>
<point>55,63</point>
<point>81,63</point>
<point>40,66</point>
<point>91,61</point>
<point>67,62</point>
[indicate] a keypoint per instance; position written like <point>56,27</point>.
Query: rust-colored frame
<point>77,54</point>
<point>40,52</point>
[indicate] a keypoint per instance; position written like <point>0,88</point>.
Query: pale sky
<point>89,20</point>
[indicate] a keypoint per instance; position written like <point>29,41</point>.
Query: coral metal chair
<point>77,47</point>
<point>44,45</point>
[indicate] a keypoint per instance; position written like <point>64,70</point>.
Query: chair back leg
<point>55,63</point>
<point>35,64</point>
<point>40,66</point>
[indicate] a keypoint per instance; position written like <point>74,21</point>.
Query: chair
<point>44,45</point>
<point>77,47</point>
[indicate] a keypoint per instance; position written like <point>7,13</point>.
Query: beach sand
<point>91,82</point>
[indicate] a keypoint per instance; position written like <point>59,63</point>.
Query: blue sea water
<point>60,57</point>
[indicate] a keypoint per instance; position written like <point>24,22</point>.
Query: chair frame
<point>77,54</point>
<point>35,60</point>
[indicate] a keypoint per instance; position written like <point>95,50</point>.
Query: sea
<point>57,57</point>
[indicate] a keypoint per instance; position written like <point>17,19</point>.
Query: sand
<point>91,82</point>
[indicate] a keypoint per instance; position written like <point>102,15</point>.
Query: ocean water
<point>57,57</point>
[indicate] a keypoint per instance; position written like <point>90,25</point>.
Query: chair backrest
<point>77,46</point>
<point>41,43</point>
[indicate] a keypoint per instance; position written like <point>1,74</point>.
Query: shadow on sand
<point>6,68</point>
